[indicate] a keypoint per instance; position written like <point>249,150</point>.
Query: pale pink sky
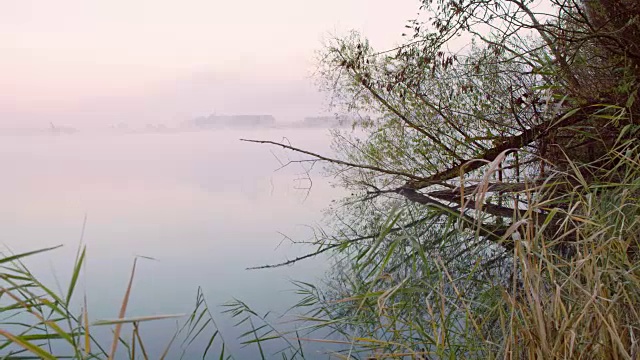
<point>95,62</point>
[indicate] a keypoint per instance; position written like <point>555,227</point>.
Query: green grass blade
<point>28,345</point>
<point>12,258</point>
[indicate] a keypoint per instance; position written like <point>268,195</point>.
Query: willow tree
<point>463,152</point>
<point>462,134</point>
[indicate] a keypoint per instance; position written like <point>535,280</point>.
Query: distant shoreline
<point>199,124</point>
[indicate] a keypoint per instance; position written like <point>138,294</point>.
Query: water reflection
<point>204,204</point>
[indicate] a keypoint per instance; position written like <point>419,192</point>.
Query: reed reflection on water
<point>204,204</point>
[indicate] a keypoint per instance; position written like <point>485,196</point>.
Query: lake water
<point>204,204</point>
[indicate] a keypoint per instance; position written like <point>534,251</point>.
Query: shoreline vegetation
<point>494,209</point>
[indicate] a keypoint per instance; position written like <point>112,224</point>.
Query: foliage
<point>38,322</point>
<point>494,188</point>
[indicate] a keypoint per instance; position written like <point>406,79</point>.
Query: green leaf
<point>136,319</point>
<point>19,256</point>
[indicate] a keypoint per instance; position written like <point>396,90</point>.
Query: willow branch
<point>340,243</point>
<point>336,161</point>
<point>512,142</point>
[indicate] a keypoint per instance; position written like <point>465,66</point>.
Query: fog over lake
<point>99,119</point>
<point>204,204</point>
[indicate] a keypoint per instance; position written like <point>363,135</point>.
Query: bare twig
<point>336,161</point>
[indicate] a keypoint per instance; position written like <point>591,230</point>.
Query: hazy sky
<point>96,62</point>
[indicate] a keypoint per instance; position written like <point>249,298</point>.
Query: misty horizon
<point>91,65</point>
<point>189,79</point>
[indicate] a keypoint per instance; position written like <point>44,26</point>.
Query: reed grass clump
<point>567,288</point>
<point>37,321</point>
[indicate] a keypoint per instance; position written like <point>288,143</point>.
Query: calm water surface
<point>205,205</point>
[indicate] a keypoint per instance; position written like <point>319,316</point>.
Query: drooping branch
<point>341,243</point>
<point>451,196</point>
<point>419,182</point>
<point>491,209</point>
<point>337,161</point>
<point>491,232</point>
<point>513,142</point>
<point>501,187</point>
